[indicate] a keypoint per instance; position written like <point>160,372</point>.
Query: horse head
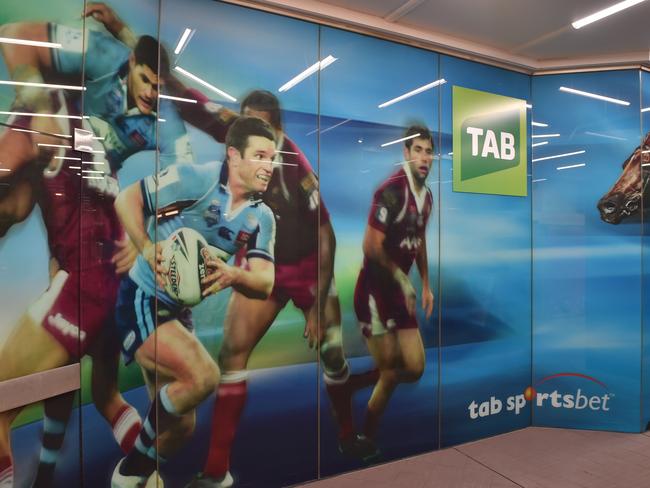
<point>626,195</point>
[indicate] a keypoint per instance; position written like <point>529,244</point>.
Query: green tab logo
<point>489,143</point>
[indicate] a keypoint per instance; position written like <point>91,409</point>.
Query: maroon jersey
<point>402,215</point>
<point>294,198</point>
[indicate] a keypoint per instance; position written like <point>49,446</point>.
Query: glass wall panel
<point>587,251</point>
<point>40,198</point>
<point>645,264</point>
<point>384,211</point>
<point>252,193</point>
<point>485,284</point>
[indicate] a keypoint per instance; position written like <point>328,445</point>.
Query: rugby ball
<point>184,265</point>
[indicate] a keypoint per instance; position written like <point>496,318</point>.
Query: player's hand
<point>125,255</point>
<point>104,14</point>
<point>427,301</point>
<point>152,253</point>
<point>311,327</point>
<point>220,275</point>
<point>410,296</point>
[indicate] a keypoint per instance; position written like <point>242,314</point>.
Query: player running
<point>219,200</point>
<point>85,238</point>
<point>384,298</point>
<point>304,264</point>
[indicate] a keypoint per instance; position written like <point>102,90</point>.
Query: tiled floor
<point>532,458</point>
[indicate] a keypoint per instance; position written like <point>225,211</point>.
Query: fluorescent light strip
<point>580,165</point>
<point>433,84</point>
<point>594,95</point>
<point>96,151</point>
<point>98,138</point>
<point>317,66</point>
<point>55,116</point>
<point>539,144</point>
<point>204,83</point>
<point>183,40</point>
<point>286,152</point>
<point>74,167</point>
<point>538,124</point>
<point>606,136</point>
<point>403,162</point>
<point>98,163</point>
<point>539,136</point>
<point>528,105</point>
<point>559,156</point>
<point>63,135</point>
<point>162,120</point>
<point>178,99</point>
<point>539,180</point>
<point>67,158</point>
<point>25,130</point>
<point>646,151</point>
<point>647,109</point>
<point>601,14</point>
<point>93,177</point>
<point>26,42</point>
<point>91,171</point>
<point>5,169</point>
<point>42,85</point>
<point>400,140</point>
<point>277,163</point>
<point>54,145</point>
<point>335,126</point>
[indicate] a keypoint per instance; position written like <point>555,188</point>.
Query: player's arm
<point>254,282</point>
<point>130,208</point>
<point>422,263</point>
<point>373,249</point>
<point>114,25</point>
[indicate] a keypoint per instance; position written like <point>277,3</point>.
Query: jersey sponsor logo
<point>243,237</point>
<point>65,327</point>
<point>382,215</point>
<point>212,214</point>
<point>138,138</point>
<point>129,340</point>
<point>411,243</point>
<point>225,233</point>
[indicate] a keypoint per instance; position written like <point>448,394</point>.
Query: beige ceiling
<point>529,34</point>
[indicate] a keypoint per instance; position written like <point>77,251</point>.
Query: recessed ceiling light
<point>317,66</point>
<point>428,86</point>
<point>192,76</point>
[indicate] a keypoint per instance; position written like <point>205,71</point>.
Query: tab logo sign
<point>489,143</point>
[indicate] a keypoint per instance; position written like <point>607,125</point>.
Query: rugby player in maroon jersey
<point>384,297</point>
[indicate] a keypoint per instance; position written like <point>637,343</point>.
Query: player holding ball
<point>219,201</point>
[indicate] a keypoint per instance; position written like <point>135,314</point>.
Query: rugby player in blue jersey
<point>120,100</point>
<point>220,201</point>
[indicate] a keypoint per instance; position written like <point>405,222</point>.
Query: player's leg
<point>175,355</point>
<point>43,353</point>
<point>124,420</point>
<point>56,414</point>
<point>17,56</point>
<point>411,351</point>
<point>246,322</point>
<point>385,351</point>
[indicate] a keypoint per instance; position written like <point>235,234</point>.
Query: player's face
<point>420,158</point>
<point>255,166</point>
<point>143,84</point>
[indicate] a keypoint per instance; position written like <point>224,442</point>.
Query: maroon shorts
<point>297,282</point>
<point>380,308</point>
<point>76,315</point>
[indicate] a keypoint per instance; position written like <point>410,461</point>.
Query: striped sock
<point>142,459</point>
<point>126,425</point>
<point>6,472</point>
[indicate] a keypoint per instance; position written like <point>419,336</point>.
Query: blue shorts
<point>134,317</point>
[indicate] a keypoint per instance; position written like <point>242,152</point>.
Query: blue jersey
<point>198,196</point>
<point>122,131</point>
